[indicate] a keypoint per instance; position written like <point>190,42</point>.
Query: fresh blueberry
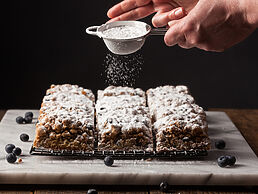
<point>29,114</point>
<point>28,119</point>
<point>164,186</point>
<point>24,137</point>
<point>222,161</point>
<point>90,127</point>
<point>231,160</point>
<point>92,191</point>
<point>9,148</point>
<point>186,139</point>
<point>11,158</point>
<point>19,120</point>
<point>220,144</point>
<point>17,151</point>
<point>108,160</point>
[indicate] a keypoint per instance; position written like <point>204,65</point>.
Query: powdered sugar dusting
<point>122,70</point>
<point>170,104</point>
<point>67,105</point>
<point>123,108</point>
<point>123,32</point>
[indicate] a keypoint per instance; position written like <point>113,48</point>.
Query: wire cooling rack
<point>121,154</point>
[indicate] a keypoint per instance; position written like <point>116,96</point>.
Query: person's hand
<point>214,25</point>
<point>167,10</point>
<point>209,25</point>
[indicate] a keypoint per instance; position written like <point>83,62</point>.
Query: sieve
<point>125,46</point>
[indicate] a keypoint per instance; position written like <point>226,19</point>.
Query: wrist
<point>251,12</point>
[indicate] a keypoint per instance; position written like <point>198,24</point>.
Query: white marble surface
<point>61,170</point>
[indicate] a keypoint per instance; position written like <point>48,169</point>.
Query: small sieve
<point>125,46</point>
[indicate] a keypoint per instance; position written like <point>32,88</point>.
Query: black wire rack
<point>121,154</point>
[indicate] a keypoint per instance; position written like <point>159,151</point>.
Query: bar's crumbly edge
<point>179,124</point>
<point>66,120</point>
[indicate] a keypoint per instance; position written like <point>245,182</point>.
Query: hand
<point>214,25</point>
<point>209,25</point>
<point>167,10</point>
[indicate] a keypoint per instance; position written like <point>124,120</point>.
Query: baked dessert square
<point>123,120</point>
<point>179,123</point>
<point>66,119</point>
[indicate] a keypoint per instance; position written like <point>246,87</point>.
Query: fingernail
<point>179,13</point>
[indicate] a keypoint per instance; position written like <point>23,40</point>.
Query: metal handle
<point>92,30</point>
<point>158,31</point>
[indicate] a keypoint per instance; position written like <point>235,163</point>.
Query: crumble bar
<point>66,120</point>
<point>123,120</point>
<point>179,124</point>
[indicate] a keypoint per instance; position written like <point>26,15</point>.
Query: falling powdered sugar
<point>122,70</point>
<point>123,32</point>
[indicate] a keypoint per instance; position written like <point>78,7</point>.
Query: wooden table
<point>246,120</point>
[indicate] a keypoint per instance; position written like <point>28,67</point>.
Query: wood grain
<point>16,192</point>
<point>117,192</point>
<point>77,192</point>
<point>201,192</point>
<point>58,192</point>
<point>2,112</point>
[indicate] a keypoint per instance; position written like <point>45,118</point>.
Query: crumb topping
<point>67,106</point>
<point>122,108</point>
<point>173,104</point>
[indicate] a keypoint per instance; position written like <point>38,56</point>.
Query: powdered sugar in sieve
<point>124,32</point>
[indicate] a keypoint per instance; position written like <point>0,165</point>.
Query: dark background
<point>45,42</point>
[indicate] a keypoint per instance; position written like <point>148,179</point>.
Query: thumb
<point>174,33</point>
<point>162,19</point>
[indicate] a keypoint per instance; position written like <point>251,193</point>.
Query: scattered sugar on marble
<point>122,70</point>
<point>123,32</point>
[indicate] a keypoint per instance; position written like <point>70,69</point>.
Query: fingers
<point>135,14</point>
<point>178,39</point>
<point>184,33</point>
<point>163,7</point>
<point>173,35</point>
<point>125,6</point>
<point>178,34</point>
<point>185,44</point>
<point>162,19</point>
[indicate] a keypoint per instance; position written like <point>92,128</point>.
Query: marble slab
<point>67,170</point>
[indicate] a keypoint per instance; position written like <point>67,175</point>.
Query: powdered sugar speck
<point>122,70</point>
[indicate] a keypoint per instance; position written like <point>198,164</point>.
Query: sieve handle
<point>92,30</point>
<point>158,31</point>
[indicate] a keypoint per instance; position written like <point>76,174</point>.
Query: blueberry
<point>231,160</point>
<point>17,151</point>
<point>28,119</point>
<point>29,114</point>
<point>19,120</point>
<point>90,127</point>
<point>164,186</point>
<point>108,160</point>
<point>186,139</point>
<point>24,137</point>
<point>9,148</point>
<point>11,158</point>
<point>222,161</point>
<point>92,191</point>
<point>220,144</point>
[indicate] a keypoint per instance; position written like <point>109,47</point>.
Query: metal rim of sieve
<point>98,30</point>
<point>124,46</point>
